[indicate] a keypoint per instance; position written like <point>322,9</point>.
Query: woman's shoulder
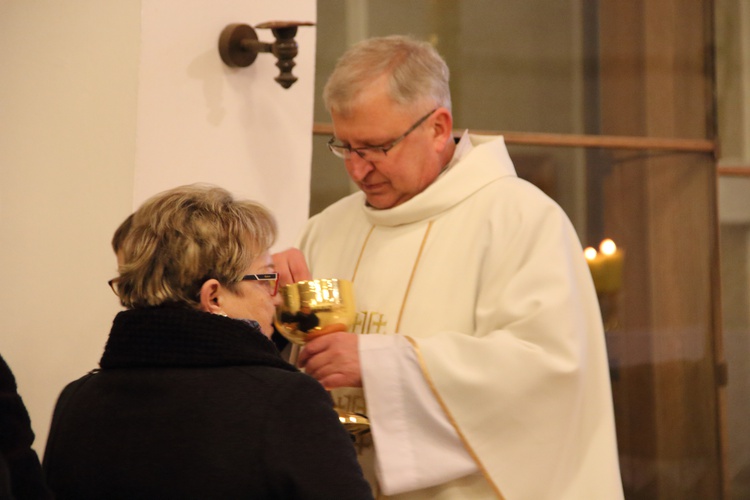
<point>279,381</point>
<point>287,380</point>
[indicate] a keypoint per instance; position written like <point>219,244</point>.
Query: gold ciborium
<point>313,308</point>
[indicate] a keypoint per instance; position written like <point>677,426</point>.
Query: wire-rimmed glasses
<point>373,153</point>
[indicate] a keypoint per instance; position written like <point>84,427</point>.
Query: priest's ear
<point>442,127</point>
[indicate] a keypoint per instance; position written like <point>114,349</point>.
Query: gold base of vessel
<point>355,423</point>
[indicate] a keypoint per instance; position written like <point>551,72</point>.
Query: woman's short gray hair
<point>181,237</point>
<point>415,70</point>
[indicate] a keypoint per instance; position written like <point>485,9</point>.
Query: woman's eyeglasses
<point>113,285</point>
<point>271,280</point>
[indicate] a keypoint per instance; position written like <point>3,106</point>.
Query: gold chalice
<point>313,308</point>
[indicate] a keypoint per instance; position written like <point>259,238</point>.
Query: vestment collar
<point>477,161</point>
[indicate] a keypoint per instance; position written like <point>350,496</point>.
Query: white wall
<point>199,120</point>
<point>101,105</point>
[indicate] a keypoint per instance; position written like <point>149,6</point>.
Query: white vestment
<point>496,383</point>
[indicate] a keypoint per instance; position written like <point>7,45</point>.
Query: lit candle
<point>605,266</point>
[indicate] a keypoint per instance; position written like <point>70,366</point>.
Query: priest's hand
<point>333,360</point>
<point>291,266</point>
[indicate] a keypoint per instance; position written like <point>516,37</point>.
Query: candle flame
<point>590,253</point>
<point>608,247</point>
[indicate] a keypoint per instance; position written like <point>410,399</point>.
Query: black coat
<point>20,472</point>
<point>193,405</point>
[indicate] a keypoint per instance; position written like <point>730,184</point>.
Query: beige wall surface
<point>101,105</point>
<point>201,121</point>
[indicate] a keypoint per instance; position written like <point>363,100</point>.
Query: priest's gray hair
<point>416,73</point>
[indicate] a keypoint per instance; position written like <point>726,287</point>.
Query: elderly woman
<point>192,399</point>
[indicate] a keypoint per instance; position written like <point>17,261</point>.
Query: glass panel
<point>734,216</point>
<point>531,65</point>
<point>658,316</point>
<point>733,117</point>
<point>329,181</point>
<point>534,73</point>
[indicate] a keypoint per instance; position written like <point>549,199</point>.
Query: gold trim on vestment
<point>411,278</point>
<point>464,441</point>
<point>361,252</point>
<point>413,270</point>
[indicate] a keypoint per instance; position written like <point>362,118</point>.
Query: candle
<point>605,266</point>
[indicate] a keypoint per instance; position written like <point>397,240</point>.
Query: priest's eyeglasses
<point>270,280</point>
<point>373,153</point>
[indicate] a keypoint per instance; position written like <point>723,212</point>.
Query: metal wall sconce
<point>239,46</point>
